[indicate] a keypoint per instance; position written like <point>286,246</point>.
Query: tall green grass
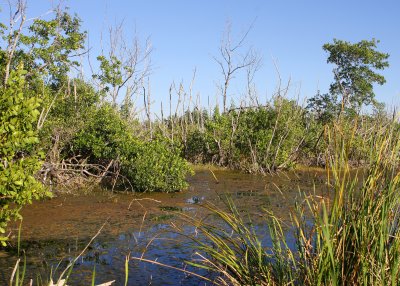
<point>353,238</point>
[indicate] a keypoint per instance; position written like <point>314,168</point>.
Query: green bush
<point>158,166</point>
<point>149,166</point>
<point>103,136</point>
<point>18,115</point>
<point>199,147</point>
<point>66,115</point>
<point>268,138</point>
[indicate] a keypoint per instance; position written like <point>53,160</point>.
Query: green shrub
<point>149,166</point>
<point>18,115</point>
<point>65,113</point>
<point>268,138</point>
<point>199,147</point>
<point>158,166</point>
<point>103,136</point>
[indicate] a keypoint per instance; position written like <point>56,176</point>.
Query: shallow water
<point>55,231</point>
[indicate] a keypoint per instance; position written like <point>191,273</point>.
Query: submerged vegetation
<point>61,130</point>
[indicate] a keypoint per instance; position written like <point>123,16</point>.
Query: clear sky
<point>186,34</point>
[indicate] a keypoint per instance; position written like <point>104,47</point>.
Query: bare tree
<point>251,92</point>
<point>123,66</point>
<point>147,103</point>
<point>232,59</point>
<point>17,20</point>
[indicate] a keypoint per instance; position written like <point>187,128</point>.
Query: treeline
<point>61,130</point>
<point>267,138</point>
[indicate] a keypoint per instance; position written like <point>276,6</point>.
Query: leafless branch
<point>231,60</point>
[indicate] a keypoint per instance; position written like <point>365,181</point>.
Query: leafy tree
<point>122,67</point>
<point>48,48</point>
<point>324,107</point>
<point>53,44</point>
<point>355,71</point>
<point>18,114</point>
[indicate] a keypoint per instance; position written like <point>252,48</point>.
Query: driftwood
<point>76,172</point>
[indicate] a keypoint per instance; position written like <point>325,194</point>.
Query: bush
<point>157,167</point>
<point>18,114</point>
<point>103,137</point>
<point>199,147</point>
<point>268,138</point>
<point>149,166</point>
<point>64,116</point>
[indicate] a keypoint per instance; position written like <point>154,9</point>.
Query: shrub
<point>157,167</point>
<point>18,114</point>
<point>199,147</point>
<point>268,138</point>
<point>148,165</point>
<point>103,136</point>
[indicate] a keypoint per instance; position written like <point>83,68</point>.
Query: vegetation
<point>62,130</point>
<point>83,136</point>
<point>353,238</point>
<point>355,66</point>
<point>19,112</point>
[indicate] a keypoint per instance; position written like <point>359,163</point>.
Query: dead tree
<point>232,59</point>
<point>123,66</point>
<point>14,33</point>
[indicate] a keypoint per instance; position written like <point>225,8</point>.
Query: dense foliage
<point>88,133</point>
<point>154,165</point>
<point>158,166</point>
<point>18,115</point>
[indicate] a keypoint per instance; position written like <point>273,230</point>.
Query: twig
<point>83,251</point>
<point>172,267</point>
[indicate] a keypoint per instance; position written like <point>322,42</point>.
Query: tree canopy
<point>355,70</point>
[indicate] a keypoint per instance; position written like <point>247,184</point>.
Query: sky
<point>186,35</point>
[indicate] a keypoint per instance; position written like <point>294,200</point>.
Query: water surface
<point>54,231</point>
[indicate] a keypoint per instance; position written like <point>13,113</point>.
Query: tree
<point>47,47</point>
<point>324,107</point>
<point>355,71</point>
<point>123,67</point>
<point>232,61</point>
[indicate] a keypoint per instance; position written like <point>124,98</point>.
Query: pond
<point>55,231</point>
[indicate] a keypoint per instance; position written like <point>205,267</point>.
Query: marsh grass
<point>354,237</point>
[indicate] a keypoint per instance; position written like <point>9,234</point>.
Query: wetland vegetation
<point>78,148</point>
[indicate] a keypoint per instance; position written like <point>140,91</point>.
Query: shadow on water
<point>58,229</point>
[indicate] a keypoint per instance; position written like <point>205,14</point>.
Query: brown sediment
<point>79,216</point>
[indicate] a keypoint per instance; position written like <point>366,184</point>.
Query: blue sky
<point>187,34</point>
